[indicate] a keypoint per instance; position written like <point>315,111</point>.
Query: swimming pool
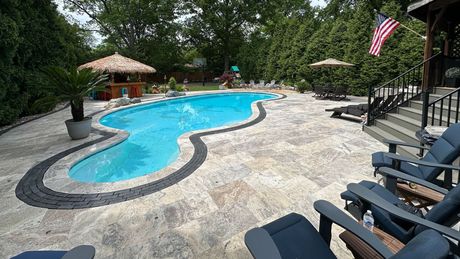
<point>154,129</point>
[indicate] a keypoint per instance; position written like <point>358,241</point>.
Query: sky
<point>83,18</point>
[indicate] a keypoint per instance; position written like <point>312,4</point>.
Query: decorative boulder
<point>114,103</point>
<point>135,100</point>
<point>172,93</point>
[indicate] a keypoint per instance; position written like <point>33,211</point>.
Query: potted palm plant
<point>74,85</point>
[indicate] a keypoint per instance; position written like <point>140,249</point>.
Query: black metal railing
<point>444,110</point>
<point>396,92</point>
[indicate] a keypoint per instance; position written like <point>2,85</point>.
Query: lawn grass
<point>207,87</point>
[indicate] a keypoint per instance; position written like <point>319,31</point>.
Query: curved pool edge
<point>32,188</point>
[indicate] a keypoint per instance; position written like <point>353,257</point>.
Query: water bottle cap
<point>369,211</point>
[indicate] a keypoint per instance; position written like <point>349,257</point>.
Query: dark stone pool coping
<point>32,190</point>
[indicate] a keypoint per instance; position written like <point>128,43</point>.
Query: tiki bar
<point>125,75</point>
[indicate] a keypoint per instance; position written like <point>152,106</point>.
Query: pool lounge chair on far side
<point>293,236</point>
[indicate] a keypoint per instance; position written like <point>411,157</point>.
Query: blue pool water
<point>154,129</point>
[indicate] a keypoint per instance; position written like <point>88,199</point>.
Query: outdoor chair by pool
<point>340,93</point>
<point>421,224</point>
<point>446,212</point>
<point>318,90</point>
<point>356,110</point>
<point>79,252</point>
<point>438,159</point>
<point>293,236</point>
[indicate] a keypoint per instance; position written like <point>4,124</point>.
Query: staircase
<point>403,121</point>
<point>396,108</point>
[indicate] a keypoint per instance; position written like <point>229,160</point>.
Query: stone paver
<point>251,176</point>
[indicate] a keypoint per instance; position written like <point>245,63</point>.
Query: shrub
<point>73,85</point>
<point>172,84</point>
<point>180,88</point>
<point>44,104</point>
<point>303,86</point>
<point>226,77</point>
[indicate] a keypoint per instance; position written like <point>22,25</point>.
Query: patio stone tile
<point>250,177</point>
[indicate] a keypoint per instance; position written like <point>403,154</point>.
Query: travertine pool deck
<point>251,176</point>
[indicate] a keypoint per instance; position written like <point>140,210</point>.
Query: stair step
<point>400,132</point>
<point>417,115</point>
<point>437,96</point>
<point>419,105</point>
<point>380,135</point>
<point>443,90</point>
<point>406,122</point>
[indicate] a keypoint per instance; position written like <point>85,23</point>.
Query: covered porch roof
<point>447,9</point>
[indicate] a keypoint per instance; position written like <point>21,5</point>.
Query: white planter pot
<point>79,129</point>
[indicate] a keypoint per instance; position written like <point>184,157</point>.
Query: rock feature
<point>122,101</point>
<point>172,93</point>
<point>135,100</point>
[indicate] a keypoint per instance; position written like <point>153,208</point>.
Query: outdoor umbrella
<point>330,62</point>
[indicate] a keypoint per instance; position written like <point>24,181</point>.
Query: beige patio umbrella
<point>117,63</point>
<point>330,62</point>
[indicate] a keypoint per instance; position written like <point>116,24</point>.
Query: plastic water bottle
<point>368,220</point>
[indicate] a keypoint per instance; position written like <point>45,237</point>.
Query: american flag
<point>385,27</point>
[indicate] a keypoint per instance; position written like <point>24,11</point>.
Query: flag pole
<point>404,26</point>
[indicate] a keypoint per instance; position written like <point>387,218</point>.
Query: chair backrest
<point>399,97</point>
<point>387,102</point>
<point>444,151</point>
<point>446,212</point>
<point>319,89</point>
<point>375,103</point>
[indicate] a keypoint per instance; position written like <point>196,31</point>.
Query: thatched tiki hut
<point>124,73</point>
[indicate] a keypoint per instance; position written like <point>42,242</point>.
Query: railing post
<point>369,112</point>
<point>426,102</point>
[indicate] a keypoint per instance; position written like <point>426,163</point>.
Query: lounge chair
<point>421,224</point>
<point>444,213</point>
<point>340,93</point>
<point>261,84</point>
<point>355,110</point>
<point>293,236</point>
<point>439,158</point>
<point>318,90</point>
<point>79,252</point>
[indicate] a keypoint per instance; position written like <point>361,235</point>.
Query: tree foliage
<point>32,35</point>
<point>268,40</point>
<point>342,30</point>
<point>146,30</point>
